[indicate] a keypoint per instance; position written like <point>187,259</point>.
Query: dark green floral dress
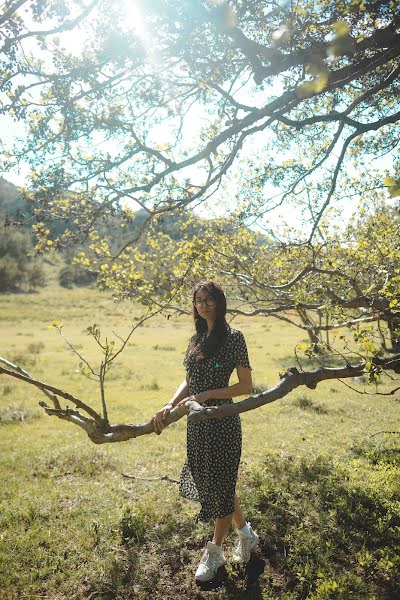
<point>214,447</point>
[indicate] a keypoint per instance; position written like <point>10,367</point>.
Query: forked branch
<point>101,432</point>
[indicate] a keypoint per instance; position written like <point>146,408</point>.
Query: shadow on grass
<point>249,573</point>
<point>326,531</point>
<point>383,450</point>
<point>322,530</point>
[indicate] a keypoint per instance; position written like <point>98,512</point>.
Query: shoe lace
<point>210,559</point>
<point>243,546</point>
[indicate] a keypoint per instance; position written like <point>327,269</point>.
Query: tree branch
<point>50,388</point>
<point>101,433</point>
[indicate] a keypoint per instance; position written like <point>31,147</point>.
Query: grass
<point>322,494</point>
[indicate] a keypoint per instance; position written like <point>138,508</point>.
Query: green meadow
<point>319,477</point>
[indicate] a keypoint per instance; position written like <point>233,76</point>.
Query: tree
<point>18,270</point>
<point>289,96</point>
<point>71,275</point>
<point>316,83</point>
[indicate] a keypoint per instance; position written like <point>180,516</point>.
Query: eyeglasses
<point>206,302</point>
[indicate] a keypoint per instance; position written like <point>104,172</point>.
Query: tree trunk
<point>394,331</point>
<point>312,330</point>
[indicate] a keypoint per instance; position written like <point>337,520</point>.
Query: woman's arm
<point>180,394</point>
<point>244,386</point>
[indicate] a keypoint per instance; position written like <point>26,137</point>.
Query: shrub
<point>10,276</point>
<point>17,268</point>
<point>71,275</point>
<point>15,414</point>
<point>35,277</point>
<point>305,403</point>
<point>150,386</point>
<point>35,347</point>
<point>132,525</point>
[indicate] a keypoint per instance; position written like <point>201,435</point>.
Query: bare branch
<point>66,26</point>
<point>22,371</point>
<point>11,10</point>
<point>100,432</point>
<point>50,388</point>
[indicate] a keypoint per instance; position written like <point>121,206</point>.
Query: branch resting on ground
<point>101,432</point>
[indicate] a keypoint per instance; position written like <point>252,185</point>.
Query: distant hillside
<point>10,201</point>
<point>11,204</point>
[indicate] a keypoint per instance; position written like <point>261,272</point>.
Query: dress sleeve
<point>240,351</point>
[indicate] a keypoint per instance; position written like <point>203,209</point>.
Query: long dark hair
<point>199,349</point>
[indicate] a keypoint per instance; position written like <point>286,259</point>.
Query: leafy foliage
<point>170,105</point>
<point>124,117</point>
<point>18,270</point>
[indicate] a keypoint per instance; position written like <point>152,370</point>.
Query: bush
<point>71,275</point>
<point>15,414</point>
<point>35,277</point>
<point>17,268</point>
<point>10,275</point>
<point>35,347</point>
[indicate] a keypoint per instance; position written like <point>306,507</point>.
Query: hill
<point>11,203</point>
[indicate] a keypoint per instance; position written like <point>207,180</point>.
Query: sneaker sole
<point>211,578</point>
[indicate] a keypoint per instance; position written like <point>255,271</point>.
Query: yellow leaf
<point>341,28</point>
<point>394,191</point>
<point>321,82</point>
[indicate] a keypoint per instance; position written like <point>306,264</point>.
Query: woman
<point>214,446</point>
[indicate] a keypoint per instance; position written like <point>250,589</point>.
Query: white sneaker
<point>245,545</point>
<point>211,561</point>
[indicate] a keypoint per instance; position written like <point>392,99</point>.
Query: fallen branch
<point>101,432</point>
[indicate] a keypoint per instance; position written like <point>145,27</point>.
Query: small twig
<point>364,393</point>
<point>103,400</point>
<point>162,478</point>
<point>378,432</point>
<point>22,371</point>
<point>134,327</point>
<point>75,351</point>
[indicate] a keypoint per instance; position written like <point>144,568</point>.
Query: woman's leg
<point>238,519</point>
<point>222,524</point>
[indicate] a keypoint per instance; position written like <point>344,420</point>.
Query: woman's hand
<point>160,416</point>
<point>199,398</point>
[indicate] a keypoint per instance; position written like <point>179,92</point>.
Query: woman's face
<point>205,305</point>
